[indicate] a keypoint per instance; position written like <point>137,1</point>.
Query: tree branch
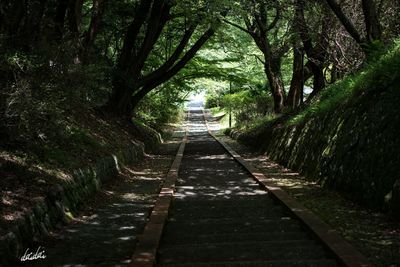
<point>158,18</point>
<point>172,59</point>
<point>141,14</point>
<point>174,70</point>
<point>348,25</point>
<point>237,26</point>
<point>276,19</point>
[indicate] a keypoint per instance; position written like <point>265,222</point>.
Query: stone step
<point>185,195</point>
<point>206,162</point>
<point>242,251</point>
<point>237,201</point>
<point>200,148</point>
<point>233,226</point>
<point>205,177</point>
<point>197,160</point>
<point>224,187</point>
<point>231,212</point>
<point>198,184</point>
<point>190,238</point>
<point>214,193</point>
<point>277,263</point>
<point>226,220</point>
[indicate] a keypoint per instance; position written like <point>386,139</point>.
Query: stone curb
<point>145,253</point>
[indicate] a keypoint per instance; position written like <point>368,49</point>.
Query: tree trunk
<point>159,16</point>
<point>120,102</point>
<point>272,69</point>
<point>372,24</point>
<point>91,33</point>
<point>164,75</point>
<point>319,77</point>
<point>59,19</point>
<point>135,100</point>
<point>73,15</point>
<point>275,81</point>
<point>316,52</point>
<point>348,25</point>
<point>141,13</point>
<point>296,85</point>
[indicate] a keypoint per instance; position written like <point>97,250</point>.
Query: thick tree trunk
<point>135,100</point>
<point>127,73</point>
<point>120,102</point>
<point>272,69</point>
<point>160,13</point>
<point>275,81</point>
<point>297,82</point>
<point>127,82</point>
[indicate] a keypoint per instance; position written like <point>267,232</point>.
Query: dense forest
<point>257,60</point>
<point>141,59</point>
<point>79,78</point>
<point>112,55</point>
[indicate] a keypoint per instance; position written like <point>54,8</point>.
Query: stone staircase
<point>221,217</point>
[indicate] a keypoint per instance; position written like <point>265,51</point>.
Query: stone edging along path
<point>146,249</point>
<point>345,253</point>
<point>62,199</point>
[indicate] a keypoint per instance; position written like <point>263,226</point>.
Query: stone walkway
<point>105,233</point>
<point>221,217</point>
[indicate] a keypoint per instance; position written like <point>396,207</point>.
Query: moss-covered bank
<point>61,202</point>
<point>352,146</point>
<point>40,194</point>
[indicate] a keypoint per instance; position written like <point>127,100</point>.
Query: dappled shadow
<point>207,170</point>
<point>22,186</point>
<point>220,214</point>
<point>375,234</point>
<point>105,233</point>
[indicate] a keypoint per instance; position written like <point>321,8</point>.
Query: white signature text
<point>30,256</point>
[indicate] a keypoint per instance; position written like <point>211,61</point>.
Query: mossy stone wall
<point>355,148</point>
<point>61,202</point>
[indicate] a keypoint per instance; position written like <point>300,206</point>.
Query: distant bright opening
<point>196,99</point>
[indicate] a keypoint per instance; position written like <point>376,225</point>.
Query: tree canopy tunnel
<point>151,45</point>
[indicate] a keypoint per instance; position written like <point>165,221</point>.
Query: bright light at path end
<point>196,100</point>
<point>197,97</point>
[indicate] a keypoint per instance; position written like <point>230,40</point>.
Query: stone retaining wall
<point>355,148</point>
<point>61,201</point>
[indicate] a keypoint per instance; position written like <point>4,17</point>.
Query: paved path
<point>220,216</point>
<point>105,234</point>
